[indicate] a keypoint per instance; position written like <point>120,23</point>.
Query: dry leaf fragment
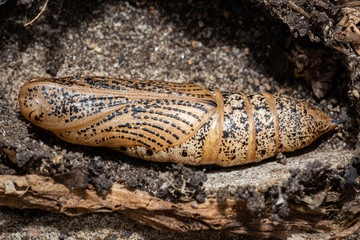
<point>348,31</point>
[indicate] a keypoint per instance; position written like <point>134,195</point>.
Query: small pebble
<point>153,57</point>
<point>246,51</point>
<point>267,87</point>
<point>196,44</point>
<point>333,101</point>
<point>355,93</point>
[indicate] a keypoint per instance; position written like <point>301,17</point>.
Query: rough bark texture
<point>33,191</point>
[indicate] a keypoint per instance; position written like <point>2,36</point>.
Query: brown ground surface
<point>229,45</point>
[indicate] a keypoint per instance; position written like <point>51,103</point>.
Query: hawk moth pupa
<point>171,122</point>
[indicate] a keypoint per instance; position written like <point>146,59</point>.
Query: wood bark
<point>39,192</point>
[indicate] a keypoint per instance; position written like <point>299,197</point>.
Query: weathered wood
<point>33,191</point>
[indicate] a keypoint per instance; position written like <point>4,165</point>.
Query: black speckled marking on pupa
<point>170,122</point>
<point>101,111</point>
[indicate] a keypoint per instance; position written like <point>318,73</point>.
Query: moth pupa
<point>171,122</point>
